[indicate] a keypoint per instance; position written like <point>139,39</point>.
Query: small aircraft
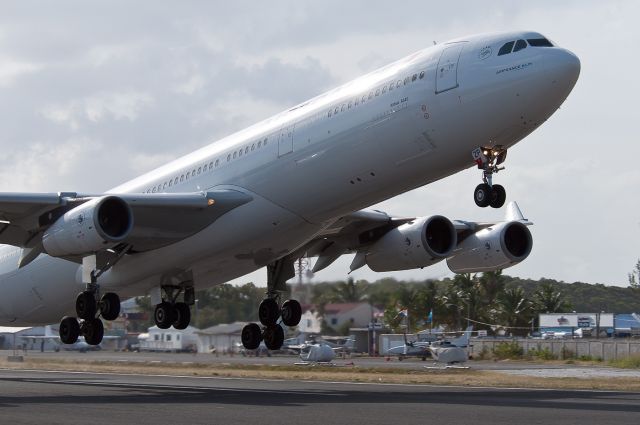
<point>418,348</point>
<point>320,352</point>
<point>451,351</point>
<point>51,335</point>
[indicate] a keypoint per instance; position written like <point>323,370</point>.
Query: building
<point>577,324</point>
<point>224,338</point>
<point>353,315</point>
<point>311,321</point>
<point>169,339</point>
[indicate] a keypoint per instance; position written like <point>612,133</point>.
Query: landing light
<point>210,202</point>
<point>5,222</point>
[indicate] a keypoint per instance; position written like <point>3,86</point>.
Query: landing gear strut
<point>488,160</point>
<point>89,305</point>
<point>270,310</point>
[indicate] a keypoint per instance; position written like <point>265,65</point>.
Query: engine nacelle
<point>496,247</point>
<point>421,243</point>
<point>93,226</point>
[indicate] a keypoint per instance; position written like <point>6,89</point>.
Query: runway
<point>29,397</point>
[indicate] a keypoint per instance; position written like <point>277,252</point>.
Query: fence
<point>605,349</point>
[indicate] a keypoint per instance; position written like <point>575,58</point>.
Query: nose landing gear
<point>488,160</point>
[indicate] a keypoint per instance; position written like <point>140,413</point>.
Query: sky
<point>93,94</point>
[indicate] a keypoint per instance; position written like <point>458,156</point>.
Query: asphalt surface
<point>29,397</point>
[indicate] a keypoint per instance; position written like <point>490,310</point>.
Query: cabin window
<point>211,165</point>
<point>199,170</point>
<point>235,154</point>
<point>391,86</point>
<point>154,190</point>
<point>182,178</point>
<point>399,83</point>
<point>342,109</point>
<point>349,105</point>
<point>186,176</point>
<point>175,181</point>
<point>217,162</point>
<point>421,75</point>
<point>364,98</point>
<point>253,147</point>
<point>356,102</point>
<point>370,95</point>
<point>228,157</point>
<point>520,44</point>
<point>335,111</point>
<point>240,153</point>
<point>329,113</point>
<point>506,48</point>
<point>265,141</point>
<point>259,143</point>
<point>164,186</point>
<point>384,89</point>
<point>246,150</point>
<point>415,77</point>
<point>406,80</point>
<point>193,173</point>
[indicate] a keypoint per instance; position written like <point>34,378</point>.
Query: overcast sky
<point>95,93</point>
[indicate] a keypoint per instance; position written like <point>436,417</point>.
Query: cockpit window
<point>539,42</point>
<point>506,48</point>
<point>520,44</point>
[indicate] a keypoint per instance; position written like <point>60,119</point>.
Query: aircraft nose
<point>569,66</point>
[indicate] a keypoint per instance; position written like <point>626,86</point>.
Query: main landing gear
<point>173,312</point>
<point>488,159</point>
<point>90,306</point>
<point>270,310</point>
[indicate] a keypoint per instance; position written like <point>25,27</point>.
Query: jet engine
<point>417,244</point>
<point>93,226</point>
<point>497,247</point>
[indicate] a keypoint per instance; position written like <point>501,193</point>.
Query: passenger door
<point>447,71</point>
<point>285,141</point>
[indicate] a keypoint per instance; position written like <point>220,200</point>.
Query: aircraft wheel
<point>291,313</point>
<point>69,330</point>
<point>268,312</point>
<point>110,306</point>
<point>482,195</point>
<point>86,305</point>
<point>183,316</point>
<point>251,336</point>
<point>164,315</point>
<point>498,196</point>
<point>93,331</point>
<point>273,337</point>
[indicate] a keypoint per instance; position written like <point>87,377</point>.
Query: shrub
<point>542,354</point>
<point>508,350</point>
<point>632,362</point>
<point>484,354</point>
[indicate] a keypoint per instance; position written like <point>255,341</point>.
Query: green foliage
<point>542,354</point>
<point>632,362</point>
<point>508,350</point>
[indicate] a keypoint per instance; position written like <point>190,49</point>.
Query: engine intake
<point>496,247</point>
<point>93,226</point>
<point>417,244</point>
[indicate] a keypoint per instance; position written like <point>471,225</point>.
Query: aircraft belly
<point>241,241</point>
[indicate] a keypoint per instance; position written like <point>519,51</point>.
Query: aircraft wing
<point>357,231</point>
<point>159,219</point>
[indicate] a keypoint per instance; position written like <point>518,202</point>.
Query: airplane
<point>418,348</point>
<point>296,184</point>
<point>451,351</point>
<point>52,336</point>
<point>320,352</point>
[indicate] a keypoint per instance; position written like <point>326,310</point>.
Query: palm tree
<point>349,291</point>
<point>547,300</point>
<point>514,310</point>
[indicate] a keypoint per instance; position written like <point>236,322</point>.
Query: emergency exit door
<point>447,72</point>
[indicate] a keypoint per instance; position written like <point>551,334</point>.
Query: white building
<point>223,338</point>
<point>169,339</point>
<point>311,321</point>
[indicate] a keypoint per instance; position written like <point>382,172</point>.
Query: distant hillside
<point>589,298</point>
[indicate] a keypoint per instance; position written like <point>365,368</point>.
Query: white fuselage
<point>400,127</point>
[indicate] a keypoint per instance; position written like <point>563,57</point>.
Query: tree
<point>547,300</point>
<point>634,277</point>
<point>349,291</point>
<point>514,310</point>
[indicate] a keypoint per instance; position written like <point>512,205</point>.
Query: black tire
<point>93,331</point>
<point>164,315</point>
<point>110,306</point>
<point>268,312</point>
<point>482,195</point>
<point>183,316</point>
<point>291,313</point>
<point>86,305</point>
<point>251,336</point>
<point>498,196</point>
<point>69,330</point>
<point>273,337</point>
